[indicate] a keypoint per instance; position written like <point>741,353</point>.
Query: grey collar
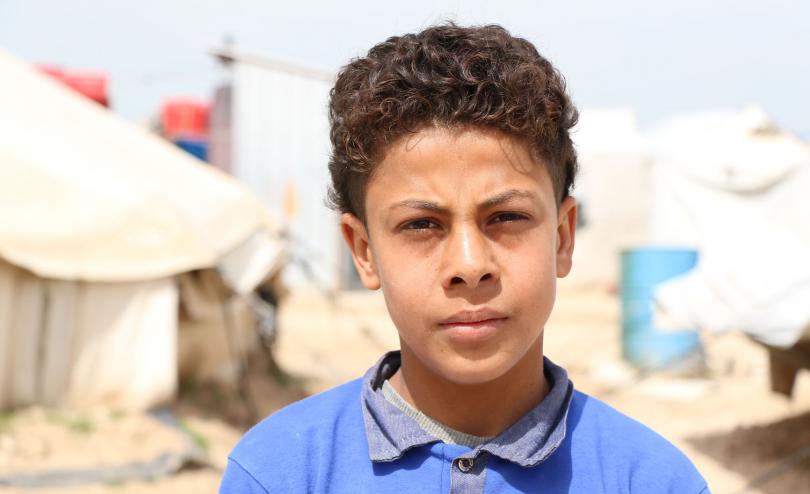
<point>527,442</point>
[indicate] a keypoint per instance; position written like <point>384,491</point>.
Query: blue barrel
<point>197,147</point>
<point>643,270</point>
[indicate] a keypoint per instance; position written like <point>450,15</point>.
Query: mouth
<point>473,325</point>
<point>471,317</point>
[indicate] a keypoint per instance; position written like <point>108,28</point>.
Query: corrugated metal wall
<point>281,150</point>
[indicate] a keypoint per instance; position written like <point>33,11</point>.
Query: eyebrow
<point>507,196</point>
<point>490,202</point>
<point>419,204</point>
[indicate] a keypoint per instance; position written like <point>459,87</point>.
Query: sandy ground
<point>726,420</point>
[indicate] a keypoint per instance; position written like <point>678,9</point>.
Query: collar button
<point>465,464</point>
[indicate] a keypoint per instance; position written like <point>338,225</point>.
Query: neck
<point>481,409</point>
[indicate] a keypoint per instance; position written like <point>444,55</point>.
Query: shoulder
<point>595,418</point>
<point>625,446</point>
<point>302,420</point>
<point>304,432</point>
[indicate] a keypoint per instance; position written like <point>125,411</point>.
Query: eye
<point>508,217</point>
<point>420,224</point>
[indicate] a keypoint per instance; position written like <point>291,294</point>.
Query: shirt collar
<point>527,442</point>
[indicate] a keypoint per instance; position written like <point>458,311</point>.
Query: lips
<point>473,318</point>
<point>473,327</point>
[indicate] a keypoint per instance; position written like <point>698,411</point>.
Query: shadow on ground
<point>265,389</point>
<point>774,457</point>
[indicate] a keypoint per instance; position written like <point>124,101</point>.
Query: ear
<point>356,236</point>
<point>566,230</point>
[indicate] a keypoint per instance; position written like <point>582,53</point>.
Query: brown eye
<point>422,224</point>
<point>508,217</point>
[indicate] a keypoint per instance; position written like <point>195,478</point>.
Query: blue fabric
<point>321,444</point>
<point>391,432</point>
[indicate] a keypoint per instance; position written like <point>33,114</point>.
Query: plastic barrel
<point>182,117</point>
<point>643,269</point>
<point>196,147</point>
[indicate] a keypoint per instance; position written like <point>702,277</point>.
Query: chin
<point>461,369</point>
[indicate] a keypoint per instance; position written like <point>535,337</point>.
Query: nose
<point>468,259</point>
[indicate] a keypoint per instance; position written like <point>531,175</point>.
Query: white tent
<point>97,219</point>
<point>735,186</point>
<point>611,190</point>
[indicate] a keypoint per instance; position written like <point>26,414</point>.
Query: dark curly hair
<point>446,76</point>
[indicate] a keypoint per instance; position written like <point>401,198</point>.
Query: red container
<point>52,71</point>
<point>185,118</point>
<point>91,84</point>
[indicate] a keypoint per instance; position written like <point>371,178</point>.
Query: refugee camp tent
<point>735,186</point>
<point>612,190</point>
<point>98,219</point>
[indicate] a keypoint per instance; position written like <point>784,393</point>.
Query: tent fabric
<point>216,329</point>
<point>612,157</point>
<point>86,195</point>
<point>98,220</point>
<point>735,187</point>
<point>256,259</point>
<point>79,344</point>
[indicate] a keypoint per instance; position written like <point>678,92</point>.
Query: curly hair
<point>446,76</point>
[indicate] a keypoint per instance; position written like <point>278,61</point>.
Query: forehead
<point>456,166</point>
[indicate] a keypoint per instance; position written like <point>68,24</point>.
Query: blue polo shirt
<point>352,440</point>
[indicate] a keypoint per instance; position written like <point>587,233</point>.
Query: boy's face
<point>465,238</point>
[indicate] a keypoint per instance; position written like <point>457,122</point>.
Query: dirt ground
<point>742,437</point>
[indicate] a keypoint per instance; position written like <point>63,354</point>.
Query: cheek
<point>406,282</point>
<point>530,275</point>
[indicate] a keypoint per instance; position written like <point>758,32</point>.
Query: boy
<point>452,164</point>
